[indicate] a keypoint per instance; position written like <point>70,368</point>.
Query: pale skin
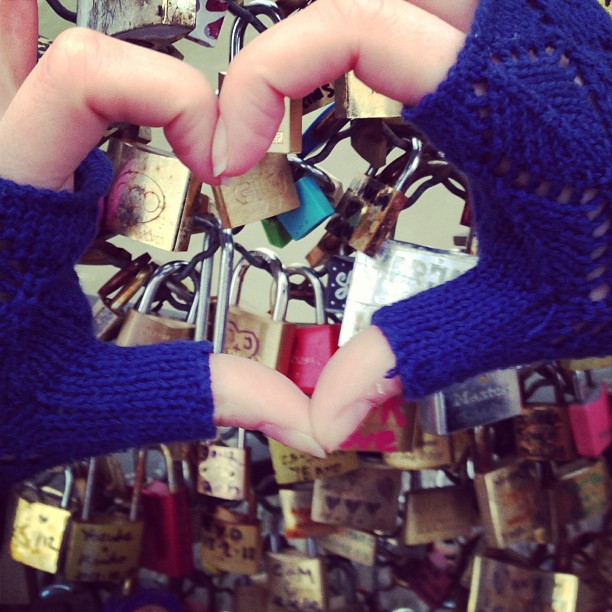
<point>87,80</point>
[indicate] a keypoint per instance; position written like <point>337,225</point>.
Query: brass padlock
<point>141,327</point>
<point>366,498</point>
<point>353,544</point>
<point>105,547</point>
<point>151,196</point>
<point>291,466</point>
<point>296,505</point>
<point>136,20</point>
<point>268,340</point>
<point>39,529</point>
<point>355,100</point>
<point>223,471</point>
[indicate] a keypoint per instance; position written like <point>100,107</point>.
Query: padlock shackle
<point>68,487</point>
<point>317,287</point>
<point>89,489</point>
<point>321,177</point>
<point>158,278</point>
<point>274,266</point>
<point>403,180</point>
<point>226,265</point>
<point>239,26</point>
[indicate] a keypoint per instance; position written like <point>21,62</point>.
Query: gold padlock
<point>151,196</point>
<point>268,340</point>
<point>355,100</point>
<point>353,544</point>
<point>296,505</point>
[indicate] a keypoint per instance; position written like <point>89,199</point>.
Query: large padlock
<point>355,100</point>
<point>231,541</point>
<point>378,204</point>
<point>589,415</point>
<point>397,271</point>
<point>167,545</point>
<point>142,327</point>
<point>366,498</point>
<point>151,196</point>
<point>105,547</point>
<point>542,430</point>
<point>315,205</point>
<point>313,345</point>
<point>109,311</point>
<point>268,340</point>
<point>479,400</point>
<point>223,471</point>
<point>39,529</point>
<point>135,20</point>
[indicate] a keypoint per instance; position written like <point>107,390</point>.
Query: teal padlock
<point>314,207</point>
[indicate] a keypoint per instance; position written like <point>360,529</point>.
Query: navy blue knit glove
<point>525,114</point>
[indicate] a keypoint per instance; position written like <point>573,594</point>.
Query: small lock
<point>208,22</point>
<point>353,544</point>
<point>296,503</point>
<point>268,340</point>
<point>151,196</point>
<point>313,345</point>
<point>105,547</point>
<point>39,529</point>
<point>275,232</point>
<point>135,20</point>
<point>314,207</point>
<point>109,312</point>
<point>141,327</point>
<point>355,100</point>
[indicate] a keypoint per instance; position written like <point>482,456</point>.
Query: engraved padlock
<point>355,100</point>
<point>268,340</point>
<point>313,345</point>
<point>105,547</point>
<point>151,197</point>
<point>39,529</point>
<point>135,20</point>
<point>397,271</point>
<point>142,327</point>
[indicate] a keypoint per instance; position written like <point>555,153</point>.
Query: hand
<point>55,111</point>
<point>416,42</point>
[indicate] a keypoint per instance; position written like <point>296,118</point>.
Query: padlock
<point>355,100</point>
<point>589,415</point>
<point>542,430</point>
<point>109,312</point>
<point>314,207</point>
<point>369,140</point>
<point>397,271</point>
<point>223,471</point>
<point>268,340</point>
<point>438,513</point>
<point>141,327</point>
<point>288,138</point>
<point>275,232</point>
<point>511,501</point>
<point>231,541</point>
<point>582,490</point>
<point>480,400</point>
<point>318,98</point>
<point>105,547</point>
<point>506,587</point>
<point>151,196</point>
<point>167,540</point>
<point>313,345</point>
<point>208,22</point>
<point>297,580</point>
<point>353,544</point>
<point>250,593</point>
<point>39,529</point>
<point>339,269</point>
<point>365,498</point>
<point>379,204</point>
<point>291,466</point>
<point>296,504</point>
<point>135,20</point>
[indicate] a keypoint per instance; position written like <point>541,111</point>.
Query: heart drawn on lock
<point>241,342</point>
<point>352,505</point>
<point>332,502</point>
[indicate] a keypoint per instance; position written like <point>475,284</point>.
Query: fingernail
<point>346,422</point>
<point>293,439</point>
<point>219,148</point>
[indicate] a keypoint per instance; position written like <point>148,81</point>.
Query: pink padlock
<point>590,422</point>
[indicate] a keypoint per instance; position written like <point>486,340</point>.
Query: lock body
<point>355,100</point>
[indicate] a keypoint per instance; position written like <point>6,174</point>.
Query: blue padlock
<point>314,207</point>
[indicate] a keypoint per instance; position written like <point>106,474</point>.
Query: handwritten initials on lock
<point>242,341</point>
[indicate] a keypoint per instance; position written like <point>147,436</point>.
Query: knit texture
<point>63,394</point>
<point>525,114</point>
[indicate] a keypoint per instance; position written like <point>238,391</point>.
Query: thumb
<point>353,382</point>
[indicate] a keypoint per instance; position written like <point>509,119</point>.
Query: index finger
<point>395,47</point>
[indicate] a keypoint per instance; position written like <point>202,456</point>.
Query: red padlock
<point>589,418</point>
<point>167,545</point>
<point>313,345</point>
